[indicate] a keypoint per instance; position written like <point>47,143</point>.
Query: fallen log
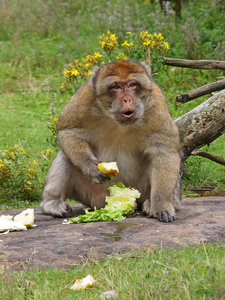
<point>195,64</point>
<point>201,91</point>
<point>203,124</point>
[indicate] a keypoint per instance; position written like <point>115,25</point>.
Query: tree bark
<point>195,64</point>
<point>203,124</point>
<point>201,91</point>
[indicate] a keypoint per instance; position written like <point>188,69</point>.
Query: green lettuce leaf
<point>120,203</point>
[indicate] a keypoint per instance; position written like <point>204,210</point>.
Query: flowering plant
<point>135,46</point>
<point>21,176</point>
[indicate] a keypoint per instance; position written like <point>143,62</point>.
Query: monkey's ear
<point>94,71</point>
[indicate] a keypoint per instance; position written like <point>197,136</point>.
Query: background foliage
<point>39,39</point>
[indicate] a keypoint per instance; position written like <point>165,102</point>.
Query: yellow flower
<point>159,36</point>
<point>97,55</point>
<point>49,151</point>
<point>74,72</point>
<point>22,151</point>
<point>63,85</point>
<point>102,44</point>
<point>55,119</point>
<point>125,44</point>
<point>35,163</point>
<point>66,73</point>
<point>122,56</point>
<point>143,34</point>
<point>108,42</point>
<point>12,153</point>
<point>146,42</point>
<point>166,46</point>
<point>2,165</point>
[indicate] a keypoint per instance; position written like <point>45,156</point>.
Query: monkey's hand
<point>92,173</point>
<point>167,215</point>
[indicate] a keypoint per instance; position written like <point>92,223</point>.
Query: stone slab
<point>53,244</point>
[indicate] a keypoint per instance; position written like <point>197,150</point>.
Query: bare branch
<point>203,90</point>
<point>148,62</point>
<point>195,64</point>
<point>210,156</point>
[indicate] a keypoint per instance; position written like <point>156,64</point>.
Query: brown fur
<point>121,115</point>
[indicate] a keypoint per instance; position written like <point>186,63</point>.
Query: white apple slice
<point>26,217</point>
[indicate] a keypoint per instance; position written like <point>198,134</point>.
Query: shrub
<point>134,47</point>
<point>21,176</point>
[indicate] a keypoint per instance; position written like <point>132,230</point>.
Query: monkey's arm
<point>79,153</point>
<point>74,133</point>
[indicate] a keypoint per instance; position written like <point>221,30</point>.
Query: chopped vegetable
<point>120,203</point>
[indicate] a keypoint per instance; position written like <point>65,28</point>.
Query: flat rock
<point>53,244</point>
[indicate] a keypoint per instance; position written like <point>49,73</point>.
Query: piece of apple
<point>82,284</point>
<point>26,217</point>
<point>109,168</point>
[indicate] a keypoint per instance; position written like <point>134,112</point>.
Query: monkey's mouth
<point>128,114</point>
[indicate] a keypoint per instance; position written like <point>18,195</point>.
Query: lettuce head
<point>120,203</point>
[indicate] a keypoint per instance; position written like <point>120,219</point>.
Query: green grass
<point>188,273</point>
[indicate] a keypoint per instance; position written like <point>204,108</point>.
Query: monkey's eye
<point>115,86</point>
<point>133,84</point>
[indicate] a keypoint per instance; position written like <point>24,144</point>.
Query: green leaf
<point>120,203</point>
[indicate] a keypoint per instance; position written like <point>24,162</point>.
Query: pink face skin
<point>125,93</point>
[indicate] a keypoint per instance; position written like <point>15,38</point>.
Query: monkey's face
<point>122,89</point>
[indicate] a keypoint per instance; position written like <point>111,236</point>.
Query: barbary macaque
<point>121,115</point>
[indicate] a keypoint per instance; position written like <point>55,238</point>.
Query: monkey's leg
<point>163,179</point>
<point>57,187</point>
<point>177,194</point>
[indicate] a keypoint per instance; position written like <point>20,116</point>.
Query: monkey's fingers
<point>167,216</point>
<point>103,177</point>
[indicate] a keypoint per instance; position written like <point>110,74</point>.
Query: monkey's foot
<point>166,216</point>
<point>57,208</point>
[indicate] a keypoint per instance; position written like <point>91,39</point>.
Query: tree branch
<point>148,61</point>
<point>210,156</point>
<point>203,90</point>
<point>195,64</point>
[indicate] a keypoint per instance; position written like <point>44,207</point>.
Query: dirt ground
<point>53,244</point>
